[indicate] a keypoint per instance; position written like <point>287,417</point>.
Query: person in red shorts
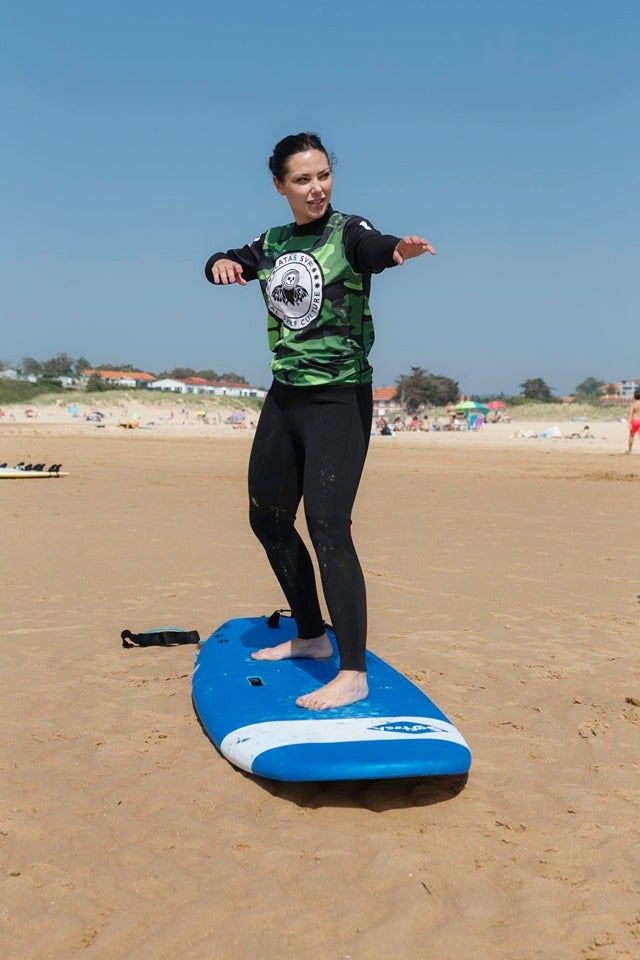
<point>634,418</point>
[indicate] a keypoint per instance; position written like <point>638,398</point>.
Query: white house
<point>10,374</point>
<point>120,378</point>
<point>628,387</point>
<point>173,386</point>
<point>216,388</point>
<point>222,389</point>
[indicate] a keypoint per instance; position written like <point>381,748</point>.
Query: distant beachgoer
<point>634,419</point>
<point>312,436</point>
<point>451,414</point>
<point>383,428</point>
<point>584,434</point>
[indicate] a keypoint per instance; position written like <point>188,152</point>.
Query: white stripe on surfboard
<point>244,744</point>
<point>8,473</point>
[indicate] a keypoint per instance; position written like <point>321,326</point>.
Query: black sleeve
<point>248,257</point>
<point>366,249</point>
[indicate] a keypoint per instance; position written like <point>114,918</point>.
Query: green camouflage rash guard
<point>315,279</point>
<point>319,323</point>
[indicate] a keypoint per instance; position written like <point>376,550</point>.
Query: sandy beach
<point>502,577</point>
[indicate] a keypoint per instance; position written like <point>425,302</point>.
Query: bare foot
<point>347,687</point>
<point>318,648</point>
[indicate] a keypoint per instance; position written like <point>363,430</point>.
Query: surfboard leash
<point>159,638</point>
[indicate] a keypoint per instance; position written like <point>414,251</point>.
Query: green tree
<point>232,377</point>
<point>96,384</point>
<point>62,365</point>
<point>589,388</point>
<point>421,388</point>
<point>119,367</point>
<point>81,365</point>
<point>536,389</point>
<point>31,366</point>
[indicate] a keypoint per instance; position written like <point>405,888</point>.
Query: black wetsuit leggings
<point>311,443</point>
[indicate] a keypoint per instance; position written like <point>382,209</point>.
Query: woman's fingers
<point>412,246</point>
<point>228,271</point>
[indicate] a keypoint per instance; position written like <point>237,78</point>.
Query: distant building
<point>122,378</point>
<point>193,385</point>
<point>609,393</point>
<point>217,388</point>
<point>629,387</point>
<point>173,386</point>
<point>69,383</point>
<point>224,388</point>
<point>10,374</point>
<point>383,401</point>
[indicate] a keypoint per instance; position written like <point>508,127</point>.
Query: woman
<point>313,433</point>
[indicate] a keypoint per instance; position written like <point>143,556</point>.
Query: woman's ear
<point>278,185</point>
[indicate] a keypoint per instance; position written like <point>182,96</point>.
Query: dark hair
<point>295,143</point>
<point>636,395</point>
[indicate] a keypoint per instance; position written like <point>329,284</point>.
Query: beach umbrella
<point>496,404</point>
<point>471,406</point>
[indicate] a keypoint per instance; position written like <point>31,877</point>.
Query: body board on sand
<point>11,473</point>
<point>247,707</point>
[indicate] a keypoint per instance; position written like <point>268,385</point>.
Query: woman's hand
<point>227,271</point>
<point>410,247</point>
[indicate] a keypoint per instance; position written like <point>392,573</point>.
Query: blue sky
<point>135,143</point>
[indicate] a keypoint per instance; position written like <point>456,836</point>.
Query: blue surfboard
<point>247,707</point>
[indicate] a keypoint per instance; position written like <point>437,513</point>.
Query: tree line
<point>420,388</point>
<point>62,365</point>
<point>416,389</point>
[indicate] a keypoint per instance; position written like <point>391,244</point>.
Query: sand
<point>502,578</point>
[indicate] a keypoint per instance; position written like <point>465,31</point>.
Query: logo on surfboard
<point>402,727</point>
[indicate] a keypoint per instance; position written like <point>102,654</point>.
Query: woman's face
<point>307,185</point>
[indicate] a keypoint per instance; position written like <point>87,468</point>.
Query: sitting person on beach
<point>383,427</point>
<point>313,433</point>
<point>585,434</point>
<point>634,419</point>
